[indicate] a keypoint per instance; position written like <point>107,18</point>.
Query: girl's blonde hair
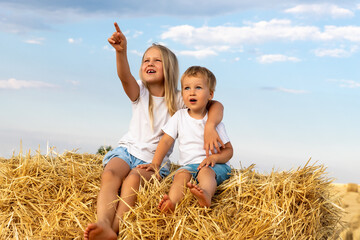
<point>171,76</point>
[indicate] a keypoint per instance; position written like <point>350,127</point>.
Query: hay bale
<point>54,197</point>
<point>48,197</point>
<point>352,187</point>
<point>296,204</point>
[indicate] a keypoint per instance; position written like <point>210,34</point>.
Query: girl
<point>154,100</point>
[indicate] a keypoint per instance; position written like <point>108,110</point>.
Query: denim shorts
<point>222,171</point>
<point>122,152</point>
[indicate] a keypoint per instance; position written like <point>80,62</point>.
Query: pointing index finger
<point>117,27</point>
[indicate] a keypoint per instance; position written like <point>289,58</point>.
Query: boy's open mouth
<point>192,100</point>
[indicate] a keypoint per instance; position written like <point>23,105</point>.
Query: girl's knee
<point>109,175</point>
<point>133,179</point>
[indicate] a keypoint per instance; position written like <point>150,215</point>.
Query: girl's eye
<point>186,88</point>
<point>158,60</point>
<point>198,87</point>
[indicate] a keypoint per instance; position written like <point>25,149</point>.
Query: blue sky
<point>287,74</point>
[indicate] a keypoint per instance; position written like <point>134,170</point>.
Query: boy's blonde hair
<point>171,76</point>
<point>197,71</point>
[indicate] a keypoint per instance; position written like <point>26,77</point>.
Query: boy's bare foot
<point>203,198</point>
<point>96,231</point>
<point>166,205</point>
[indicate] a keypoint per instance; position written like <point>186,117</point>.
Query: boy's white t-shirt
<point>190,134</point>
<point>141,140</point>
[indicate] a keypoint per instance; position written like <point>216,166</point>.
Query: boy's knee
<point>207,171</point>
<point>183,174</point>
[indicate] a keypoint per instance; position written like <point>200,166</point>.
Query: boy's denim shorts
<point>222,171</point>
<point>122,152</point>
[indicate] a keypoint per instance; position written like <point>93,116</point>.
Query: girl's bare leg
<point>128,193</point>
<point>176,192</point>
<point>206,188</point>
<point>111,179</point>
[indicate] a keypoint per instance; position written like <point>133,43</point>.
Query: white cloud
<point>286,90</point>
<point>203,51</point>
<point>136,52</point>
<point>74,41</point>
<point>199,53</point>
<point>35,41</point>
<point>321,10</point>
<point>270,58</point>
<point>346,83</point>
<point>73,82</point>
<point>108,48</point>
<point>137,34</point>
<point>12,83</point>
<point>259,32</point>
<point>336,52</point>
<point>350,33</point>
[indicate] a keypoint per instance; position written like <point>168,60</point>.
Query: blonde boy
<point>197,88</point>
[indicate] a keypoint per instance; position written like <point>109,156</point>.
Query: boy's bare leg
<point>176,192</point>
<point>206,188</point>
<point>132,182</point>
<point>111,179</point>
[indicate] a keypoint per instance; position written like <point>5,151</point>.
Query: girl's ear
<point>211,95</point>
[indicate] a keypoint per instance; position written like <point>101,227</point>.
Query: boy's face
<point>195,93</point>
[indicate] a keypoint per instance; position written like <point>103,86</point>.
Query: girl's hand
<point>212,140</point>
<point>150,167</point>
<point>209,161</point>
<point>118,39</point>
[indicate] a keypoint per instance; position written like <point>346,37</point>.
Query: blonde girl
<point>154,100</point>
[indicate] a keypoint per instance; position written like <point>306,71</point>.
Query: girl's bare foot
<point>203,198</point>
<point>165,205</point>
<point>96,231</point>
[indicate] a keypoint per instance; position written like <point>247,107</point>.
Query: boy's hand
<point>209,161</point>
<point>118,39</point>
<point>151,167</point>
<point>212,140</point>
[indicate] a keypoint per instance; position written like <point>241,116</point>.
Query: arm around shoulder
<point>215,113</point>
<point>211,136</point>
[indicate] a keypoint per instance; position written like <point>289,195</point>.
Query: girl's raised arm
<point>118,41</point>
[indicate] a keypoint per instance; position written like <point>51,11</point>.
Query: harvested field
<point>54,197</point>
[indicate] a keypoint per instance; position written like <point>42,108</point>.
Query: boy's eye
<point>186,88</point>
<point>198,87</point>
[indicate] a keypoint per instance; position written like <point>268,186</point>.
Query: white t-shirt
<point>190,133</point>
<point>141,140</point>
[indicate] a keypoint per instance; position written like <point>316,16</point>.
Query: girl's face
<point>152,66</point>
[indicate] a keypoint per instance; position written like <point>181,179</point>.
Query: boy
<point>197,89</point>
